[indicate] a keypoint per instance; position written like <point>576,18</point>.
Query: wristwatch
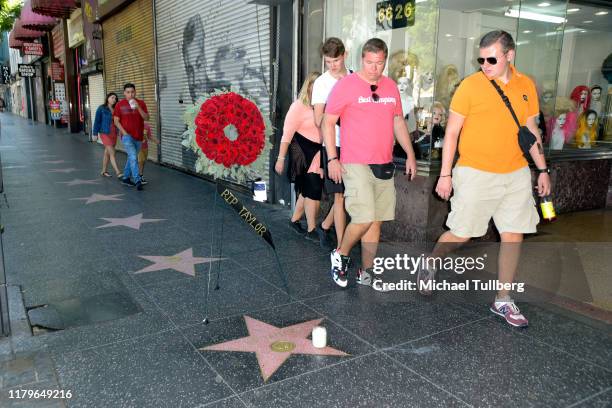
<point>546,170</point>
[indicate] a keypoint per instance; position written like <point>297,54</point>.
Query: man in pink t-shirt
<point>370,109</point>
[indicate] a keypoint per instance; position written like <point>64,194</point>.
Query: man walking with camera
<point>491,178</point>
<point>370,109</point>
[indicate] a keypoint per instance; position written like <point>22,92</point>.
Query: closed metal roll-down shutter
<point>96,96</point>
<point>206,45</point>
<point>129,56</point>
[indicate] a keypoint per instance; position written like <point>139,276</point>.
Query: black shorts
<point>330,185</point>
<point>310,185</point>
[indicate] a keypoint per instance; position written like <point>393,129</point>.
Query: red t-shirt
<point>130,118</point>
<point>366,133</point>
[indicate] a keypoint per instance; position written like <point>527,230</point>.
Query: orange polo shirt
<point>489,137</point>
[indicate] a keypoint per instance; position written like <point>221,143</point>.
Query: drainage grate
<point>81,311</point>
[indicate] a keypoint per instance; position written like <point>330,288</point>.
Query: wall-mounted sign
<point>6,74</point>
<point>394,14</point>
<point>55,109</point>
<point>57,71</point>
<point>27,71</point>
<point>33,49</point>
<point>75,29</point>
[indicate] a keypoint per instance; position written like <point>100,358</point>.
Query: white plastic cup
<point>133,103</point>
<point>259,191</point>
<point>319,337</point>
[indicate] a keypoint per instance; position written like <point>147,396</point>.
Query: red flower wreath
<point>230,109</point>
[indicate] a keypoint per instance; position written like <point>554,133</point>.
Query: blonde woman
<point>300,146</point>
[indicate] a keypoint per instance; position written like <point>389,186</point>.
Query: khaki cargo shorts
<point>479,196</point>
<point>367,198</point>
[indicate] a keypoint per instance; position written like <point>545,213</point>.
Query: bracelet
<point>448,175</point>
<point>332,159</point>
<point>280,158</point>
<point>544,170</point>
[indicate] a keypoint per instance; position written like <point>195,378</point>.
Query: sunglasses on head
<point>375,96</point>
<point>490,60</point>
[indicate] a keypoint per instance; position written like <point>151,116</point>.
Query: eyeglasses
<point>490,60</point>
<point>375,96</point>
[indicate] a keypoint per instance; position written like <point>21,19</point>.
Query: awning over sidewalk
<point>34,21</point>
<point>24,34</point>
<point>54,8</point>
<point>13,42</point>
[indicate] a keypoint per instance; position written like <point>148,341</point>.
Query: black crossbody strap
<point>506,101</point>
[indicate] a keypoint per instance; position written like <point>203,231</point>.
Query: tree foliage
<point>9,12</point>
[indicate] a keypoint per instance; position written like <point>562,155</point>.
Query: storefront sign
<point>6,74</point>
<point>57,71</point>
<point>393,14</point>
<point>58,41</point>
<point>75,29</point>
<point>55,109</point>
<point>33,49</point>
<point>27,71</point>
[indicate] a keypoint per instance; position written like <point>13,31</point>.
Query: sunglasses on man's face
<point>490,60</point>
<point>375,96</point>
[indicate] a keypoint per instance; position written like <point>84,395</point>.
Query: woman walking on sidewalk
<point>104,127</point>
<point>301,139</point>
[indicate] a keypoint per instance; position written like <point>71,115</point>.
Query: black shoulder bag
<point>526,139</point>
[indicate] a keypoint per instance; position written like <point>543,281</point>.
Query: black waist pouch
<point>526,140</point>
<point>383,171</point>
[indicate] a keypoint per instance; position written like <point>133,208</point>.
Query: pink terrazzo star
<point>77,182</point>
<point>94,198</point>
<point>68,170</point>
<point>273,345</point>
<point>183,262</point>
<point>134,222</point>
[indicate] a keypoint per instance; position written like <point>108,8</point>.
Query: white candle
<point>319,337</point>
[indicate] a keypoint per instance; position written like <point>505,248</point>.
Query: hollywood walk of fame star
<point>54,161</point>
<point>183,262</point>
<point>274,345</point>
<point>134,222</point>
<point>99,197</point>
<point>68,170</point>
<point>76,182</point>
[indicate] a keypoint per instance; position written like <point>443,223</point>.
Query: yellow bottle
<point>548,210</point>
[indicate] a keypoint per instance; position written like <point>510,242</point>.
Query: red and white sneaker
<point>510,312</point>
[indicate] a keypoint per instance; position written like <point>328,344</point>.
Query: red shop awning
<point>24,34</point>
<point>14,43</point>
<point>34,21</point>
<point>54,8</point>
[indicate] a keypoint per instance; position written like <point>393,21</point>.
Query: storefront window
<point>562,46</point>
<point>583,111</point>
<point>409,29</point>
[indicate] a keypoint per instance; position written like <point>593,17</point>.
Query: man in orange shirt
<point>491,178</point>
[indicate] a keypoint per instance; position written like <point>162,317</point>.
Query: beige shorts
<point>367,198</point>
<point>479,196</point>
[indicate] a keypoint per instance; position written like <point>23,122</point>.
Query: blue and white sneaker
<point>339,268</point>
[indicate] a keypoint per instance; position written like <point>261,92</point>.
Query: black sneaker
<point>297,227</point>
<point>339,268</point>
<point>127,182</point>
<point>312,236</point>
<point>143,181</point>
<point>324,240</point>
<point>139,186</point>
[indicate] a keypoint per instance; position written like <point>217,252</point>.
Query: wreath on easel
<point>230,136</point>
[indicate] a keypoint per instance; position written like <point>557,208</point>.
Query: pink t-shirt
<point>367,126</point>
<point>300,119</point>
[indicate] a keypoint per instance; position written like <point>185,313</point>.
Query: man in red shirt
<point>129,116</point>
